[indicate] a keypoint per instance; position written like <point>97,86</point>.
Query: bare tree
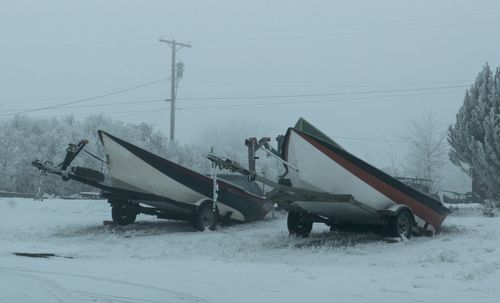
<point>428,148</point>
<point>393,162</point>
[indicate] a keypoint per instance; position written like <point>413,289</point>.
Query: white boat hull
<point>128,171</point>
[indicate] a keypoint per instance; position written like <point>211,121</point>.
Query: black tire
<point>123,214</point>
<point>402,224</point>
<point>205,217</point>
<point>299,224</point>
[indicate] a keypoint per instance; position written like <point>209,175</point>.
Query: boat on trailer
<point>326,183</point>
<point>323,165</point>
<point>139,181</point>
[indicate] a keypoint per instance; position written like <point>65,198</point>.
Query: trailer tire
<point>123,214</point>
<point>205,217</point>
<point>299,224</point>
<point>401,225</point>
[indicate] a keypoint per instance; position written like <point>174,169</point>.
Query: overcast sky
<point>380,63</point>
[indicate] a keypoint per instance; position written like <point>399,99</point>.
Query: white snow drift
<point>165,261</point>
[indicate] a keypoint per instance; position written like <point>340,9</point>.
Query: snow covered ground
<point>165,261</point>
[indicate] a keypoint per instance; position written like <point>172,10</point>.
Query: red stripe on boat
<point>419,209</point>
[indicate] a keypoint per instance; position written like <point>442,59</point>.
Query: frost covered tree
<point>24,139</point>
<point>427,150</point>
<point>475,137</point>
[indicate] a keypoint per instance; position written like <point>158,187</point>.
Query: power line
<point>99,105</point>
<point>138,113</point>
<point>381,98</point>
<point>296,85</point>
<point>78,96</point>
<point>359,99</point>
<point>290,96</point>
<point>115,92</point>
<point>135,112</point>
<point>142,112</point>
<point>367,92</point>
<point>113,113</point>
<point>435,90</point>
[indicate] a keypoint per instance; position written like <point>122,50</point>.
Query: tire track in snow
<point>48,288</point>
<point>179,296</point>
<point>114,298</point>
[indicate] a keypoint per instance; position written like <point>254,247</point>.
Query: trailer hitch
<point>61,169</point>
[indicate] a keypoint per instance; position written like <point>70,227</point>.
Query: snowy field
<point>165,261</point>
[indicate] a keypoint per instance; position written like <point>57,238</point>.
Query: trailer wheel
<point>123,214</point>
<point>298,224</point>
<point>402,224</point>
<point>205,217</point>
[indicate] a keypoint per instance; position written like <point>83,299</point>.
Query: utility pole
<point>175,46</point>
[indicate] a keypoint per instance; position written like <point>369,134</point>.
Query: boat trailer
<point>138,181</point>
<point>299,220</point>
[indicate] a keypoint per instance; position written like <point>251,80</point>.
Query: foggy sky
<point>54,52</point>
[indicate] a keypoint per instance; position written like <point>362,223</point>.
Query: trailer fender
<point>224,211</point>
<point>394,210</point>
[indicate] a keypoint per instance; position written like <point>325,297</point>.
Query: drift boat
<point>323,165</point>
<point>139,181</point>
